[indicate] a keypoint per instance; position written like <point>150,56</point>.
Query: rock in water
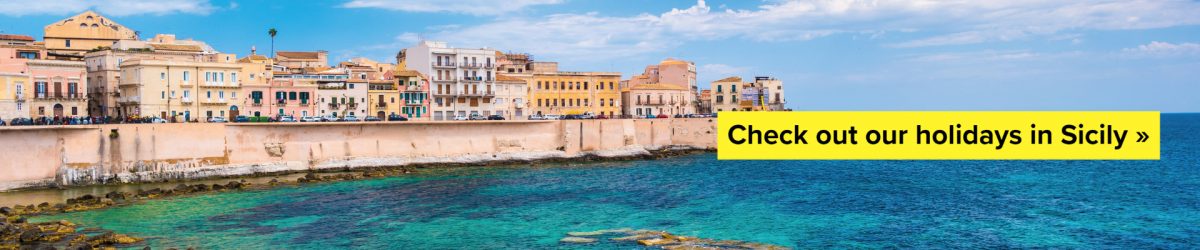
<point>657,242</point>
<point>573,239</point>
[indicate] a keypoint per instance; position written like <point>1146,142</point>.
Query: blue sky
<point>831,54</point>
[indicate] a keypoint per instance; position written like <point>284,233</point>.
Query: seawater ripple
<point>804,204</point>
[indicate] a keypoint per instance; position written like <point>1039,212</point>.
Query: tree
<point>272,32</point>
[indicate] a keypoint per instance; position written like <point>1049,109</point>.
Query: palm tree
<point>272,32</point>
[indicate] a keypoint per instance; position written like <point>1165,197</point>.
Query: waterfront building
<point>705,102</point>
<point>763,94</point>
<point>654,99</point>
<point>179,90</point>
<point>38,87</point>
<point>14,89</point>
<point>514,63</point>
<point>511,95</point>
<point>302,59</point>
<point>413,94</point>
<point>103,65</point>
<point>462,80</point>
<point>289,96</point>
<point>382,92</point>
<point>569,93</point>
<point>335,95</point>
<point>670,71</point>
<point>70,38</point>
<point>725,94</point>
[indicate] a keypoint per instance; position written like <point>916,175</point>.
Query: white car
<point>310,119</point>
<point>350,118</point>
<point>552,117</point>
<point>158,120</point>
<point>287,118</point>
<point>460,117</point>
<point>536,117</point>
<point>217,119</point>
<point>329,118</point>
<point>587,115</point>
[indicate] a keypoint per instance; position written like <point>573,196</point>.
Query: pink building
<point>56,88</point>
<point>292,97</point>
<point>414,92</point>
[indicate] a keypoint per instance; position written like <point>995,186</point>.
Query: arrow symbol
<point>1142,136</point>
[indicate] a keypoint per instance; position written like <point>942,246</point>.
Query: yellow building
<point>14,89</point>
<point>180,90</point>
<point>70,38</point>
<point>725,94</point>
<point>569,93</point>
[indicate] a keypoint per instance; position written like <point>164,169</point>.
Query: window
<point>221,94</point>
<point>292,96</point>
<point>164,95</point>
<point>187,75</point>
<point>69,41</point>
<point>162,76</point>
<point>234,76</point>
<point>207,76</point>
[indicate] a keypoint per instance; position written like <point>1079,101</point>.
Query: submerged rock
<point>573,239</point>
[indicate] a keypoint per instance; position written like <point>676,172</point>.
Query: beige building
<point>724,94</point>
<point>656,99</point>
<point>70,38</point>
<point>764,93</point>
<point>179,90</point>
<point>103,66</point>
<point>672,72</point>
<point>512,94</point>
<point>302,59</point>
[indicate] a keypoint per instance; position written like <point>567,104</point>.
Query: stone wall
<point>83,155</point>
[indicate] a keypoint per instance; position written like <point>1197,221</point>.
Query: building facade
<point>414,95</point>
<point>654,99</point>
<point>180,90</point>
<point>512,94</point>
<point>671,72</point>
<point>14,91</point>
<point>70,38</point>
<point>763,94</point>
<point>302,59</point>
<point>462,80</point>
<point>570,93</point>
<point>104,71</point>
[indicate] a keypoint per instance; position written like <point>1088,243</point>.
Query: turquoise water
<point>805,204</point>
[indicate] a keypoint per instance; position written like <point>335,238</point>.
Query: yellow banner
<point>939,135</point>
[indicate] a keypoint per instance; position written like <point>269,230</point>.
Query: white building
<point>462,80</point>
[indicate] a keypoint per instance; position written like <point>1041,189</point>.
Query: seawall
<point>126,153</point>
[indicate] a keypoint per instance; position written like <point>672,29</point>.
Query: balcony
<point>256,103</point>
<point>443,64</point>
<point>334,106</point>
<point>20,96</point>
<point>303,103</point>
<point>477,93</point>
<point>443,80</point>
<point>471,65</point>
<point>186,100</point>
<point>214,101</point>
<point>381,105</point>
<point>218,85</point>
<point>130,99</point>
<point>471,79</point>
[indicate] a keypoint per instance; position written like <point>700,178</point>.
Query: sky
<point>831,54</point>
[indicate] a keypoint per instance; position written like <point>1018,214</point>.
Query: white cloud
<point>601,37</point>
<point>718,69</point>
<point>1164,49</point>
<point>107,7</point>
<point>473,7</point>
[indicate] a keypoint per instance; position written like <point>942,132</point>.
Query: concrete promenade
<point>47,156</point>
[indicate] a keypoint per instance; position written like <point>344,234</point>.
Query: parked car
<point>551,117</point>
<point>329,118</point>
<point>495,117</point>
<point>350,118</point>
<point>287,118</point>
<point>397,118</point>
<point>650,116</point>
<point>477,117</point>
<point>372,119</point>
<point>310,119</point>
<point>601,116</point>
<point>241,118</point>
<point>214,119</point>
<point>586,115</point>
<point>662,116</point>
<point>536,117</point>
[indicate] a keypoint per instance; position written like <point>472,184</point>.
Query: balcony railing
<point>381,105</point>
<point>186,99</point>
<point>444,64</point>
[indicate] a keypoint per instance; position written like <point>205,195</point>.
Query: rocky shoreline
<point>660,239</point>
<point>17,233</point>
